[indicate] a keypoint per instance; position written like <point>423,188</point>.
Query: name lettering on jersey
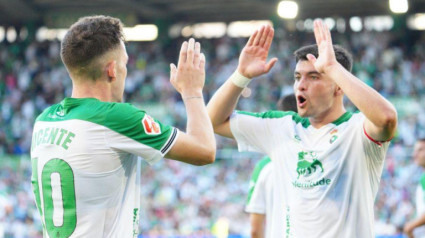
<point>150,125</point>
<point>52,136</point>
<point>288,222</point>
<point>309,170</point>
<point>135,222</point>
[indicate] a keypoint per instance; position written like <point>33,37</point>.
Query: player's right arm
<point>196,146</point>
<point>252,63</point>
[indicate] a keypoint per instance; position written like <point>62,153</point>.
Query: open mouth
<point>301,100</point>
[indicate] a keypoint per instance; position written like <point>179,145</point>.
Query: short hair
<point>421,139</point>
<point>287,103</point>
<point>342,55</point>
<point>87,39</point>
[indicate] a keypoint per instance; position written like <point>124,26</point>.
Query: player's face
<point>419,153</point>
<point>314,92</point>
<point>121,69</point>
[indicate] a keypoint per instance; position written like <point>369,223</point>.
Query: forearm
<point>224,101</point>
<point>375,107</point>
<point>198,123</point>
<point>420,221</point>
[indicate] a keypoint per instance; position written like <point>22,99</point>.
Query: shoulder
<point>267,114</point>
<point>285,115</point>
<point>92,110</point>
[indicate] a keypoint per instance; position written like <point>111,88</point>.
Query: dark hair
<point>421,139</point>
<point>287,103</point>
<point>342,55</point>
<point>87,39</point>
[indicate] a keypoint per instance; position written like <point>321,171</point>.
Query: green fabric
<point>295,117</point>
<point>122,118</point>
<point>255,174</point>
<point>68,198</point>
<point>422,181</point>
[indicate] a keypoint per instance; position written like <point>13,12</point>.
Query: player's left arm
<point>412,225</point>
<point>257,222</point>
<point>381,116</point>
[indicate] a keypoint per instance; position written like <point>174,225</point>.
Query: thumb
<point>173,71</point>
<point>270,64</point>
<point>311,58</point>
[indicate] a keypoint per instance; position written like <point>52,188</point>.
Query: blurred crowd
<point>182,199</point>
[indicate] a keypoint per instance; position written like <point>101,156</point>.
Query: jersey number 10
<point>58,194</point>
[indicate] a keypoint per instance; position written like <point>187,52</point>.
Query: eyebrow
<point>308,73</point>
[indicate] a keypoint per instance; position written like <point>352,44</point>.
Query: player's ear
<point>338,91</point>
<point>111,70</point>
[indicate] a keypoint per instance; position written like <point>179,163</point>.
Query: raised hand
<point>252,61</point>
<point>326,51</point>
<point>188,78</point>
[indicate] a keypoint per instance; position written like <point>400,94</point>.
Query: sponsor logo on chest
<point>310,171</point>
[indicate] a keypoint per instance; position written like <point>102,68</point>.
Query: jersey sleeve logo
<point>150,125</point>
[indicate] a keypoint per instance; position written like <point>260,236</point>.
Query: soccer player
<point>327,161</point>
<point>410,227</point>
<point>86,173</point>
<point>260,197</point>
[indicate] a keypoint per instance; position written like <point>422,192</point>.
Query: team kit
<point>323,165</point>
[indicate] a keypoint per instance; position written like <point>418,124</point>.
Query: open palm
<point>326,51</point>
<point>253,59</point>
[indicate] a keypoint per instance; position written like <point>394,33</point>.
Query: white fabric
<point>261,201</point>
<point>325,180</point>
<point>106,176</point>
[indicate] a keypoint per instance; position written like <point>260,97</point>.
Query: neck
<point>98,89</point>
<point>327,117</point>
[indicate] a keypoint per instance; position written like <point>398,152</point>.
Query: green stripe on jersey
<point>345,117</point>
<point>255,174</point>
<point>122,118</point>
<point>278,114</point>
<point>422,181</point>
<point>295,117</point>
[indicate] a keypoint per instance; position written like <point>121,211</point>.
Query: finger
<point>190,50</point>
<point>197,54</point>
<point>202,62</point>
<point>311,58</point>
<point>173,71</point>
<point>251,39</point>
<point>328,34</point>
<point>317,33</point>
<point>322,30</point>
<point>258,36</point>
<point>270,64</point>
<point>183,54</point>
<point>264,36</point>
<point>269,39</point>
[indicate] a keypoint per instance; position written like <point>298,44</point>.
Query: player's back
<point>85,173</point>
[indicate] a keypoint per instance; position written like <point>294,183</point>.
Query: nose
<point>301,84</point>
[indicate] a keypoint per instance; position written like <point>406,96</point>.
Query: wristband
<point>193,97</point>
<point>239,80</point>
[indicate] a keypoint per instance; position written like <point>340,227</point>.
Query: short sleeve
<point>253,131</point>
<point>256,202</point>
<point>136,132</point>
<point>375,151</point>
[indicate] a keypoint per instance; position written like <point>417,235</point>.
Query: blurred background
<point>386,37</point>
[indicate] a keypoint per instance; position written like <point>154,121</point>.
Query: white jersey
<point>86,174</point>
<point>420,206</point>
<point>260,197</point>
<point>325,180</point>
